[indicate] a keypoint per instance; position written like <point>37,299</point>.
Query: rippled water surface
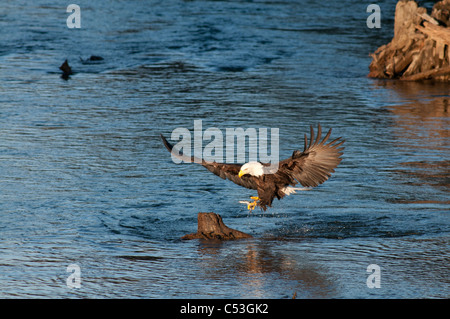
<point>85,179</point>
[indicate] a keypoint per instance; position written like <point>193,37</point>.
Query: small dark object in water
<point>211,226</point>
<point>231,68</point>
<point>92,59</point>
<point>67,70</point>
<point>95,58</point>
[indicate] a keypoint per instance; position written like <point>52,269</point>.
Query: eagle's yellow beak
<point>241,172</point>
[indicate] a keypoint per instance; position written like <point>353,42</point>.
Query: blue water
<point>85,179</point>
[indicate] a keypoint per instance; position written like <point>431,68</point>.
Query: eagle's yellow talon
<point>251,206</point>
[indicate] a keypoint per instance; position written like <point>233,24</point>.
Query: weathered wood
<point>427,74</point>
<point>211,226</point>
<point>428,18</point>
<point>435,32</point>
<point>441,12</point>
<point>420,47</point>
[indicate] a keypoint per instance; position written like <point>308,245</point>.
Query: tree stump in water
<point>211,226</point>
<point>420,48</point>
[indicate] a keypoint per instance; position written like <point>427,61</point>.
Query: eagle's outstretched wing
<point>225,171</point>
<point>315,164</point>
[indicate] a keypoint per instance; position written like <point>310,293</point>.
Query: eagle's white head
<point>252,168</point>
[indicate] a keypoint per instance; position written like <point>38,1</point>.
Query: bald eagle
<point>309,167</point>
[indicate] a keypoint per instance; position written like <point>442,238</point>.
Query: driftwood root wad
<point>420,48</point>
<point>211,226</point>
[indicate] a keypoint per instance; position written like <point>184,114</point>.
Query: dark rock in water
<point>67,70</point>
<point>95,58</point>
<point>211,226</point>
<point>92,59</point>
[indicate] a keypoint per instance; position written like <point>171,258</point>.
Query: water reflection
<point>421,136</point>
<point>423,123</point>
<point>257,264</point>
<point>435,174</point>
